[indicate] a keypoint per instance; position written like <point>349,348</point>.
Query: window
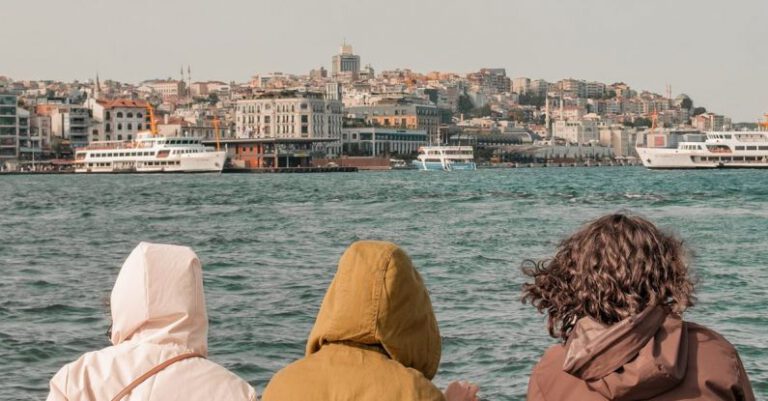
<point>130,126</point>
<point>138,115</point>
<point>129,115</point>
<point>119,114</point>
<point>119,126</point>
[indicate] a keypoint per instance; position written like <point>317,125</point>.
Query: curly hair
<point>610,269</point>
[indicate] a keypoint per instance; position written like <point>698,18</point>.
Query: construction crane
<point>152,122</point>
<point>217,131</point>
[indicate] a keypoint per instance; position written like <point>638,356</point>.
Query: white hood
<point>158,312</point>
<point>158,298</point>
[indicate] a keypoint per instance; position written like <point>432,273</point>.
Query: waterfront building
<point>402,113</point>
<point>288,114</point>
<point>576,132</point>
<point>40,129</point>
<point>70,122</point>
<point>9,127</point>
<point>375,141</point>
<point>120,119</point>
<point>618,137</point>
<point>345,64</point>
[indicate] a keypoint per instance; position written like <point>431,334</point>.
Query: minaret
<point>97,88</point>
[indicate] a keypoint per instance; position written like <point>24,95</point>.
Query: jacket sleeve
<point>743,389</point>
<point>58,385</point>
<point>534,392</point>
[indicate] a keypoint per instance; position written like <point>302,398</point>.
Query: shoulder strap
<point>153,372</point>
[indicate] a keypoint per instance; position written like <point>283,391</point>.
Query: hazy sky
<point>715,51</point>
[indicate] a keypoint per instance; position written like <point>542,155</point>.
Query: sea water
<point>270,244</point>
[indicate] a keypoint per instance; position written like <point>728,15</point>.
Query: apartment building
<point>288,114</point>
<point>401,113</point>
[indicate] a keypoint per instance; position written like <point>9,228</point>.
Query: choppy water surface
<point>270,243</point>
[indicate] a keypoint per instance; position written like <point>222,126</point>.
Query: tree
<point>484,111</point>
<point>699,110</point>
<point>465,104</point>
<point>686,103</point>
<point>642,122</point>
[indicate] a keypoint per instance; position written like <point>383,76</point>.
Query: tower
<point>97,87</point>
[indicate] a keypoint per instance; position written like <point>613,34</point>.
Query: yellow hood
<point>378,299</point>
<point>158,298</point>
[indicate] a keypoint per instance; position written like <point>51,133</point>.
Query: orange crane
<point>152,122</point>
<point>217,131</point>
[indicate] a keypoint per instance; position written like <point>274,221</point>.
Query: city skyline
<point>707,50</point>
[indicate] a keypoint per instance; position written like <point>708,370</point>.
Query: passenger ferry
<point>686,150</point>
<point>151,153</point>
<point>446,158</point>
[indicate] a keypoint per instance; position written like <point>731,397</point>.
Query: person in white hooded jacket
<point>159,337</point>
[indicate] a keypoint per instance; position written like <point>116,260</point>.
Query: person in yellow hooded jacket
<point>375,336</point>
<point>159,336</point>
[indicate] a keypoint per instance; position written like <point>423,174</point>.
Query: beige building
<point>619,138</point>
<point>288,114</point>
<point>576,132</point>
<point>168,89</point>
<point>119,119</point>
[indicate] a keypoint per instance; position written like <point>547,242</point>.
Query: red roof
<point>111,104</point>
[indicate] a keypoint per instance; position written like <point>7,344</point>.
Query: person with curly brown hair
<point>614,293</point>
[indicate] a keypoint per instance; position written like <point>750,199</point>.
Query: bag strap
<point>153,372</point>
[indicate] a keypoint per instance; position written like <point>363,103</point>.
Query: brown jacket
<point>650,356</point>
<point>375,337</point>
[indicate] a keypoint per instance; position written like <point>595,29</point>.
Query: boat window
<point>751,147</point>
<point>763,148</point>
<point>740,148</point>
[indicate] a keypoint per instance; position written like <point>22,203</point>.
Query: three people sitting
<point>613,293</point>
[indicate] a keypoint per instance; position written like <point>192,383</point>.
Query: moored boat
<point>150,153</point>
<point>446,158</point>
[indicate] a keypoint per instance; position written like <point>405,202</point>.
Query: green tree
<point>465,104</point>
<point>642,122</point>
<point>699,110</point>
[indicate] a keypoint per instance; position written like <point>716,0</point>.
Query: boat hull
<point>670,159</point>
<point>206,162</point>
<point>437,166</point>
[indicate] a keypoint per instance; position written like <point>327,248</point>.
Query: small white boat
<point>445,158</point>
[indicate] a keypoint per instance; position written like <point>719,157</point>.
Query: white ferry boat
<point>446,158</point>
<point>686,150</point>
<point>149,154</point>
